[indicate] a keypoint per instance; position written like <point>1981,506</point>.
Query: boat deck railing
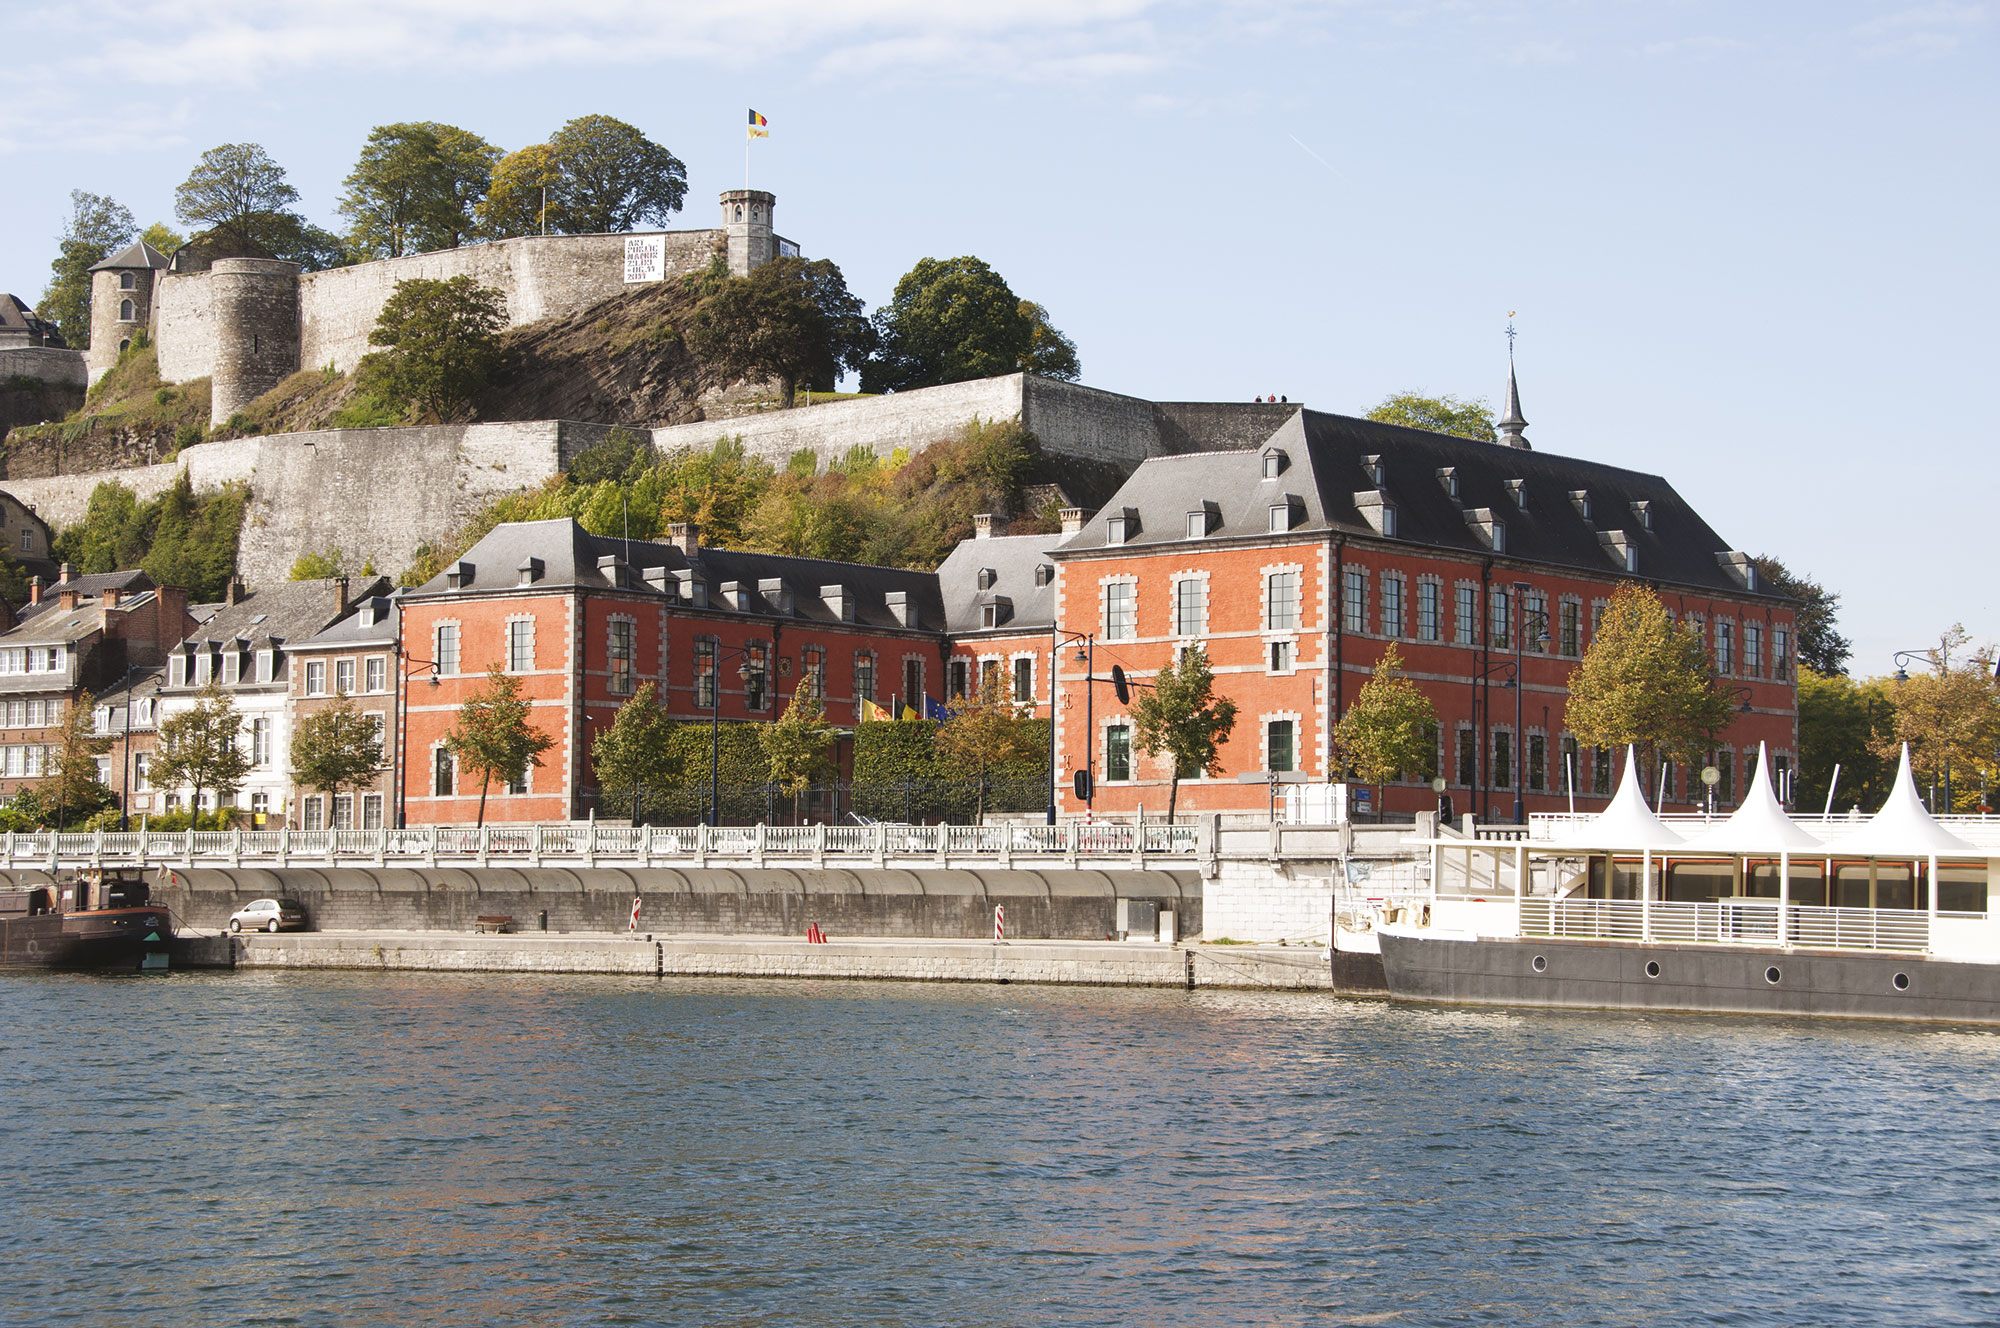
<point>589,844</point>
<point>1730,922</point>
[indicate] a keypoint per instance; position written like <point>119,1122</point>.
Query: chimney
<point>67,598</point>
<point>233,592</point>
<point>62,573</point>
<point>340,594</point>
<point>110,597</point>
<point>1072,520</point>
<point>986,525</point>
<point>685,536</point>
<point>34,590</point>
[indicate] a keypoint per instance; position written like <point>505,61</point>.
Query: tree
<point>1821,647</point>
<point>601,176</point>
<point>634,754</point>
<point>1445,414</point>
<point>795,748</point>
<point>1391,727</point>
<point>516,200</point>
<point>97,226</point>
<point>336,748</point>
<point>983,731</point>
<point>443,342</point>
<point>493,736</point>
<point>162,237</point>
<point>239,197</point>
<point>1843,723</point>
<point>1647,680</point>
<point>197,748</point>
<point>1950,717</point>
<point>72,788</point>
<point>1182,715</point>
<point>791,320</point>
<point>415,188</point>
<point>954,319</point>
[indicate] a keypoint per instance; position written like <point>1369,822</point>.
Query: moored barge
<point>97,919</point>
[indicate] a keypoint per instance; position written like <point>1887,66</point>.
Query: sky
<point>1747,247</point>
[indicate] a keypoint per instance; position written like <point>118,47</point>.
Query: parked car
<point>268,915</point>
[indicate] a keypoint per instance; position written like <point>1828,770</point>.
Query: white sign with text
<point>645,258</point>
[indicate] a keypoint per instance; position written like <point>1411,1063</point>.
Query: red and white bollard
<point>999,923</point>
<point>635,915</point>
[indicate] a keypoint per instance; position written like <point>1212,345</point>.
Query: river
<point>323,1148</point>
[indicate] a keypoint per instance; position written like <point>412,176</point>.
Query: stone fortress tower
<point>247,323</point>
<point>122,288</point>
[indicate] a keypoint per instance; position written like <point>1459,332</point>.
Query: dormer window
<point>1518,491</point>
<point>1373,465</point>
<point>996,612</point>
<point>987,578</point>
<point>1286,513</point>
<point>1377,511</point>
<point>1044,573</point>
<point>1642,512</point>
<point>1275,462</point>
<point>531,570</point>
<point>1122,526</point>
<point>1202,520</point>
<point>1491,528</point>
<point>459,577</point>
<point>1580,500</point>
<point>1448,477</point>
<point>1619,545</point>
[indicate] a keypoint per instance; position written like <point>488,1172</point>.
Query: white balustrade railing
<point>1726,922</point>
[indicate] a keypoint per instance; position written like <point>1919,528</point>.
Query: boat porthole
<point>1901,982</point>
<point>1652,968</point>
<point>1771,975</point>
<point>1541,964</point>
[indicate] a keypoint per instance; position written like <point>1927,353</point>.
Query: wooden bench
<point>494,922</point>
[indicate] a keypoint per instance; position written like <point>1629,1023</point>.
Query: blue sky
<point>1751,247</point>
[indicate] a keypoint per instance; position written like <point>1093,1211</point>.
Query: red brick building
<point>1297,564</point>
<point>583,620</point>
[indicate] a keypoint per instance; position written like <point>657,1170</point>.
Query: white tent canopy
<point>1903,829</point>
<point>1628,824</point>
<point>1759,826</point>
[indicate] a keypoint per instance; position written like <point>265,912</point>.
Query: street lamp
<point>403,725</point>
<point>1939,659</point>
<point>1087,656</point>
<point>1480,707</point>
<point>722,652</point>
<point>1520,672</point>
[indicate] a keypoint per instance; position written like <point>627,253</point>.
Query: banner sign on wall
<point>645,257</point>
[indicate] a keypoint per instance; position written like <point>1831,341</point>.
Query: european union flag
<point>934,710</point>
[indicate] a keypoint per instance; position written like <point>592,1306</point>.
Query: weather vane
<point>1510,334</point>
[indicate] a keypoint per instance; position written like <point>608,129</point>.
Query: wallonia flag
<point>758,126</point>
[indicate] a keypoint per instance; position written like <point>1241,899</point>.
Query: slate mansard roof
<point>1556,511</point>
<point>1029,598</point>
<point>570,557</point>
<point>275,614</point>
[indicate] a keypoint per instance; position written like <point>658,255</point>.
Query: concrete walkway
<point>1086,963</point>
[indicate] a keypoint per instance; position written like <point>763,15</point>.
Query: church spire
<point>1511,424</point>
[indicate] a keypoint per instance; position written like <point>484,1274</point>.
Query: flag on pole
<point>909,713</point>
<point>759,126</point>
<point>872,713</point>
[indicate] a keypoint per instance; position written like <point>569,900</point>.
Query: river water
<point>420,1148</point>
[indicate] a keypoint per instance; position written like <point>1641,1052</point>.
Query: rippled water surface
<point>409,1148</point>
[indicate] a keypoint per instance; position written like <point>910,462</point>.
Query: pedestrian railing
<point>1727,922</point>
<point>590,844</point>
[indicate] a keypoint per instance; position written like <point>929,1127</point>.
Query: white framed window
<point>371,811</point>
<point>343,677</point>
<point>229,667</point>
<point>315,677</point>
<point>1121,609</point>
<point>1281,744</point>
<point>343,812</point>
<point>444,647</point>
<point>260,741</point>
<point>313,808</point>
<point>521,645</point>
<point>1024,679</point>
<point>1282,655</point>
<point>260,805</point>
<point>1392,604</point>
<point>142,773</point>
<point>375,674</point>
<point>1281,600</point>
<point>1191,605</point>
<point>444,772</point>
<point>1117,753</point>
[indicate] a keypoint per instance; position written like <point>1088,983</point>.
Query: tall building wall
<point>117,313</point>
<point>184,326</point>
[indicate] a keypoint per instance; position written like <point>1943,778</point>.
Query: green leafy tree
<point>1950,717</point>
<point>1390,728</point>
<point>797,746</point>
<point>336,747</point>
<point>986,731</point>
<point>240,198</point>
<point>71,790</point>
<point>97,227</point>
<point>954,319</point>
<point>1821,647</point>
<point>517,199</point>
<point>163,237</point>
<point>493,737</point>
<point>415,188</point>
<point>180,538</point>
<point>634,755</point>
<point>791,320</point>
<point>1445,414</point>
<point>442,341</point>
<point>1182,716</point>
<point>1049,353</point>
<point>1843,723</point>
<point>198,749</point>
<point>1647,680</point>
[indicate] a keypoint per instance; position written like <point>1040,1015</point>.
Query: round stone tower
<point>121,303</point>
<point>256,303</point>
<point>746,219</point>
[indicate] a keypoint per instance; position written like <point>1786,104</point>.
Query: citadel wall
<point>45,364</point>
<point>184,326</point>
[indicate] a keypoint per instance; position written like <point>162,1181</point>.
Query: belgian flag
<point>759,126</point>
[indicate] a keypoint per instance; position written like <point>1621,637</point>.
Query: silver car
<point>268,915</point>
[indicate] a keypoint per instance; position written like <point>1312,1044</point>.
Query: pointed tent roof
<point>1759,825</point>
<point>1628,823</point>
<point>1512,415</point>
<point>136,254</point>
<point>1903,829</point>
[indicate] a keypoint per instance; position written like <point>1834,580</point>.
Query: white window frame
<point>1130,584</point>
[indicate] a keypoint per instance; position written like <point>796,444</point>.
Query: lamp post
<point>1939,659</point>
<point>1087,656</point>
<point>722,652</point>
<point>1479,758</point>
<point>403,726</point>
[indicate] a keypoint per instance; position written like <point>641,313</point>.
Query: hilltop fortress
<point>247,324</point>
